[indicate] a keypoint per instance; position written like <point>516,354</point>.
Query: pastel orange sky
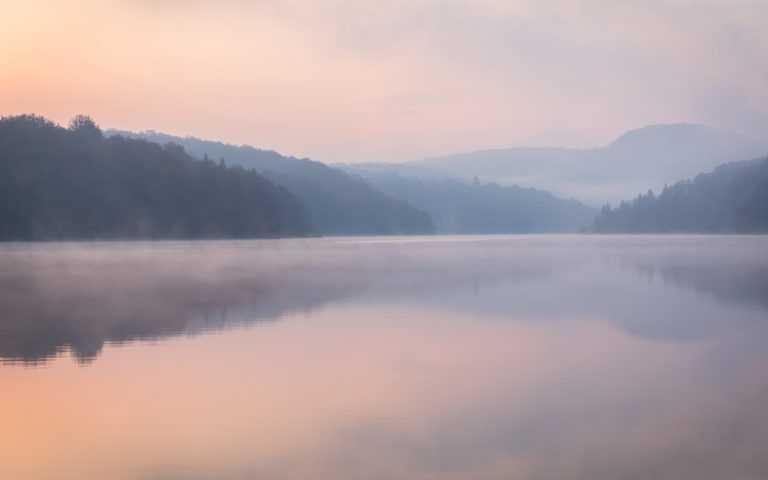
<point>347,81</point>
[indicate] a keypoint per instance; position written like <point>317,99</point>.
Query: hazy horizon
<point>340,81</point>
<point>534,142</point>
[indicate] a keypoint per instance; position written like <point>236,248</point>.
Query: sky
<point>355,81</point>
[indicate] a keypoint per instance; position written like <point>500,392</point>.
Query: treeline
<point>338,203</point>
<point>731,199</point>
<point>458,207</point>
<point>73,183</point>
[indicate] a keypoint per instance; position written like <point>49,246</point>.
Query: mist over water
<point>571,357</point>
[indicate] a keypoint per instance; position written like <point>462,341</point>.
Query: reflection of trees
<point>54,302</point>
<point>732,281</point>
<point>80,296</point>
<point>745,284</point>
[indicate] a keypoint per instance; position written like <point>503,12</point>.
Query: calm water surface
<point>531,357</point>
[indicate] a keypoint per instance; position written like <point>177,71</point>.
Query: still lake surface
<point>495,357</point>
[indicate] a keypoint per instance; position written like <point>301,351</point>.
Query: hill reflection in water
<point>79,296</point>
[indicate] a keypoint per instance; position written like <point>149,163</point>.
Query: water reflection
<point>81,296</point>
<point>57,297</point>
<point>425,358</point>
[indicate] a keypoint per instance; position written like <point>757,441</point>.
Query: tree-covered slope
<point>733,198</point>
<point>458,207</point>
<point>339,204</point>
<point>58,183</point>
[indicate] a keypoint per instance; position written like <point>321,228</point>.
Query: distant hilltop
<point>648,157</point>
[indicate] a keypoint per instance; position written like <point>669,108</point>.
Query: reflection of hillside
<point>56,297</point>
<point>81,301</point>
<point>80,296</point>
<point>742,285</point>
<point>735,278</point>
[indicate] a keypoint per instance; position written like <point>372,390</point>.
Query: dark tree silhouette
<point>58,183</point>
<point>84,124</point>
<point>732,198</point>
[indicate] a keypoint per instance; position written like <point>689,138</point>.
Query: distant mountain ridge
<point>646,157</point>
<point>338,203</point>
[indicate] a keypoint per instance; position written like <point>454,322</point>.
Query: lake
<point>489,357</point>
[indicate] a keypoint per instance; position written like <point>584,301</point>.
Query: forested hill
<point>459,207</point>
<point>731,199</point>
<point>73,183</point>
<point>339,203</point>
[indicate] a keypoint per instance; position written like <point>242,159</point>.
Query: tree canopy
<point>73,183</point>
<point>732,198</point>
